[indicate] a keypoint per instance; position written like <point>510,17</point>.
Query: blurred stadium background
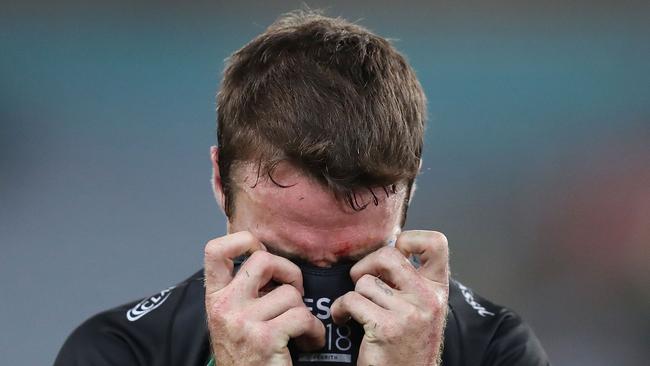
<point>537,160</point>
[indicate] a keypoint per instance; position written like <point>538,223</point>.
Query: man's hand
<point>402,309</point>
<point>246,328</point>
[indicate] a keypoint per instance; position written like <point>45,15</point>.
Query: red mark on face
<point>342,249</point>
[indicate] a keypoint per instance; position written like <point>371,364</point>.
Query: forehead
<point>306,214</point>
<point>303,198</point>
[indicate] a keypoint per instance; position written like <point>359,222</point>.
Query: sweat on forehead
<point>291,187</point>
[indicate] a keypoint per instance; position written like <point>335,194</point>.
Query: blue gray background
<point>536,164</point>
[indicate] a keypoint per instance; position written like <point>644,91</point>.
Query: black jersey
<point>169,328</point>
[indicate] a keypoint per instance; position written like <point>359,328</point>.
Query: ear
<point>217,187</point>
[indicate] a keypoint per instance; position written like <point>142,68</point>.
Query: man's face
<point>305,220</point>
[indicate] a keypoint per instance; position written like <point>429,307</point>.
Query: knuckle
<point>260,335</point>
<point>387,251</point>
<point>439,238</point>
<point>240,329</point>
<point>386,256</point>
<point>430,236</point>
<point>365,281</point>
<point>344,300</point>
<point>246,236</point>
<point>238,321</point>
<point>412,315</point>
<point>394,255</point>
<point>292,293</point>
<point>303,314</point>
<point>352,297</point>
<point>291,268</point>
<point>260,258</point>
<point>348,296</point>
<point>212,249</point>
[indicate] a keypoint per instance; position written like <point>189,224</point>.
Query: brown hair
<point>327,95</point>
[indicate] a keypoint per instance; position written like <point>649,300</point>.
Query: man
<point>320,134</point>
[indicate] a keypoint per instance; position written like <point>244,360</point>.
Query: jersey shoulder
<point>135,333</point>
<point>480,332</point>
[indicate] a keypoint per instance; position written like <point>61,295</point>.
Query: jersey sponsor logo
<point>469,298</point>
<point>148,305</point>
<point>339,338</point>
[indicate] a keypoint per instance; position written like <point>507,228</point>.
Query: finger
<point>276,302</point>
<point>298,322</point>
<point>377,291</point>
<point>356,306</point>
<point>390,265</point>
<point>433,249</point>
<point>219,254</point>
<point>262,267</point>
